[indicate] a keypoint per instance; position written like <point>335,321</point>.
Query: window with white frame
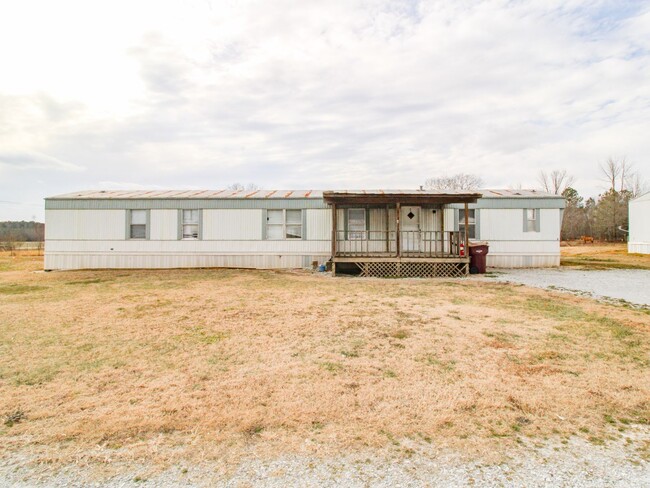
<point>356,223</point>
<point>471,223</point>
<point>138,224</point>
<point>283,224</point>
<point>531,219</point>
<point>190,225</point>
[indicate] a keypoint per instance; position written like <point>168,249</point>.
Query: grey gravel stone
<point>613,285</point>
<point>576,464</point>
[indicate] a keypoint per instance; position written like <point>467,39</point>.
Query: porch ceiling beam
<point>410,200</point>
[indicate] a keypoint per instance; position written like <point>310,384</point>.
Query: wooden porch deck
<point>414,254</point>
<point>397,245</point>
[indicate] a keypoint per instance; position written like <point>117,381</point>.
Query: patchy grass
<point>204,362</point>
<point>602,256</point>
<point>18,289</point>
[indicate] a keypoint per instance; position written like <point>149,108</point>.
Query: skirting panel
<point>413,270</point>
<point>149,261</point>
<point>638,247</point>
<point>523,261</point>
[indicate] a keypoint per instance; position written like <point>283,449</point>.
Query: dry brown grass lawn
<point>199,364</point>
<point>602,255</point>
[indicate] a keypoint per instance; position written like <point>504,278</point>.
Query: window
<point>531,220</point>
<point>471,221</point>
<point>356,223</point>
<point>190,226</point>
<point>293,228</point>
<point>138,224</point>
<point>283,224</point>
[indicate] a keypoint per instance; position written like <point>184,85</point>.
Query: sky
<point>316,95</point>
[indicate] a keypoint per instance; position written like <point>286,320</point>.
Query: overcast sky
<point>315,94</point>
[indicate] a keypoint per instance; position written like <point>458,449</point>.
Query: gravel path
<point>631,285</point>
<point>576,464</point>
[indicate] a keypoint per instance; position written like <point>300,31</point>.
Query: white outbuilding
<point>375,233</point>
<point>639,224</point>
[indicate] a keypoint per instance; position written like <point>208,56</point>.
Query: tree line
<point>604,217</point>
<point>22,231</point>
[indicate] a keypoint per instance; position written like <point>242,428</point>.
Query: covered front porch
<point>399,233</point>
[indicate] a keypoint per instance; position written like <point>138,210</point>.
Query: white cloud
<point>27,161</point>
<point>346,94</point>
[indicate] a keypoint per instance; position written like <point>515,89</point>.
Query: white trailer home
<point>379,233</point>
<point>639,224</point>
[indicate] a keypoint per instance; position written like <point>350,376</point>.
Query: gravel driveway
<point>577,464</point>
<point>631,285</point>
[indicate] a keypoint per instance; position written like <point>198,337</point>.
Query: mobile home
<point>377,233</point>
<point>639,212</point>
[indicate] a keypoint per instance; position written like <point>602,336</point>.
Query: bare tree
<point>556,181</point>
<point>39,231</point>
<point>626,174</point>
<point>240,187</point>
<point>636,185</point>
<point>620,173</point>
<point>459,181</point>
<point>11,242</point>
<point>611,170</point>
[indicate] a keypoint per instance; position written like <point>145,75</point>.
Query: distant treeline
<point>22,231</point>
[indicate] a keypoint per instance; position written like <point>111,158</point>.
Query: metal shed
<point>639,222</point>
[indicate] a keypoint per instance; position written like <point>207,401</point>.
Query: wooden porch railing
<point>413,243</point>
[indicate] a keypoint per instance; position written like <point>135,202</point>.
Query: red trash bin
<point>478,257</point>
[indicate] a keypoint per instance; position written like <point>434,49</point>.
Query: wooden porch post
<point>387,230</point>
<point>334,227</point>
<point>442,230</point>
<point>466,230</point>
<point>398,213</point>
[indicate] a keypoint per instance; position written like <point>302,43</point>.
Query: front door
<point>410,224</point>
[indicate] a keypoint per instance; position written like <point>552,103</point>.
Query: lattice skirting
<point>413,270</point>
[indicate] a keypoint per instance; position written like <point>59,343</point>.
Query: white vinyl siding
<point>85,224</point>
<point>319,225</point>
<point>506,225</point>
<point>232,224</point>
<point>639,240</point>
<point>163,225</point>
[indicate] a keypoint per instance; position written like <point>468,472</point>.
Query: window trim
<point>535,221</point>
<point>475,224</point>
<point>147,224</point>
<point>199,225</point>
<point>284,224</point>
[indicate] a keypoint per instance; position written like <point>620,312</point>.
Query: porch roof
<point>405,197</point>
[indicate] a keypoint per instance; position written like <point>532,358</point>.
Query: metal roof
<point>509,193</point>
<point>287,194</point>
<point>187,194</point>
